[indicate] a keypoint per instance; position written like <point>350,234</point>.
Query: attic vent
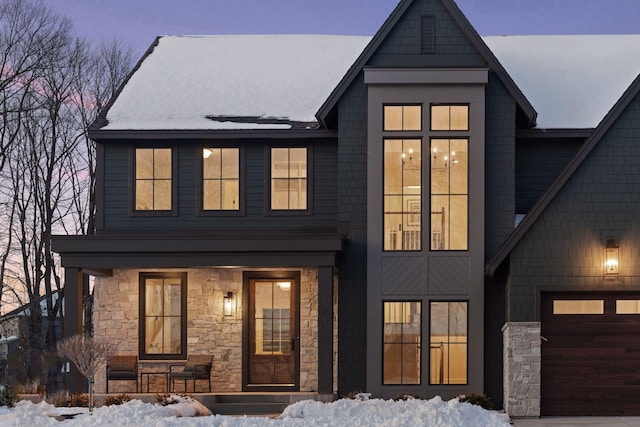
<point>428,33</point>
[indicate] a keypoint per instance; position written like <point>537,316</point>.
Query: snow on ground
<point>344,412</point>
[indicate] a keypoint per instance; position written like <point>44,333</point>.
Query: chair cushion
<point>122,375</point>
<point>123,363</point>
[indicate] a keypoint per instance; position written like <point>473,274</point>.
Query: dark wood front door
<point>273,334</point>
<point>590,353</point>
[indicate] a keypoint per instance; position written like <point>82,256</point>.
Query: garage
<point>590,353</point>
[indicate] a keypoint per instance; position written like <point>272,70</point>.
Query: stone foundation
<point>522,361</point>
<point>116,308</point>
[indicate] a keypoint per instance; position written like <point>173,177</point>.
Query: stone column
<point>521,376</point>
<point>325,330</point>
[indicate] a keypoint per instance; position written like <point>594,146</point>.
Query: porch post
<point>325,330</point>
<point>73,319</point>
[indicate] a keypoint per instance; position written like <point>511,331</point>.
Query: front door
<point>272,334</point>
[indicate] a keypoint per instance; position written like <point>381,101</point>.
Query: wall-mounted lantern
<point>229,305</point>
<point>611,257</point>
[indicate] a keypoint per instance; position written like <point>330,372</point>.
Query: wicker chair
<point>196,368</point>
<point>122,368</point>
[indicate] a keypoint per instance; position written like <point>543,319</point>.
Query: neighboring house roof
<point>24,310</point>
<point>233,82</point>
<point>572,81</point>
<point>466,27</point>
<point>518,233</point>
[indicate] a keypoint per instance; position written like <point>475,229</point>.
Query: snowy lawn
<point>344,412</point>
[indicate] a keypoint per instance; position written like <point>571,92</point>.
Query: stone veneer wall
<point>522,361</point>
<point>116,308</point>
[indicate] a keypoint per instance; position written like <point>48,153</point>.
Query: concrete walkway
<point>577,422</point>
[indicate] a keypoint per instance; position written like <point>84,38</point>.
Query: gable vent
<point>428,34</point>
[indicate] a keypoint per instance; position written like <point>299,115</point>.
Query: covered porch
<point>214,272</point>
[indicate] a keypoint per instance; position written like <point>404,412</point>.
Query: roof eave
<point>128,134</point>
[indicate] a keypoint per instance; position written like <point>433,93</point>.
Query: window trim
<point>200,183</point>
<point>466,383</point>
<point>141,324</point>
<point>420,343</point>
<point>267,185</point>
<point>174,182</point>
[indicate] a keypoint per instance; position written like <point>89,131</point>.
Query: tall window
<point>401,343</point>
<point>448,343</point>
<point>289,179</point>
<point>163,300</point>
<point>449,179</point>
<point>402,179</point>
<point>221,179</point>
<point>153,179</point>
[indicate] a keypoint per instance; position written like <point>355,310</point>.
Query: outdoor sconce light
<point>229,305</point>
<point>611,256</point>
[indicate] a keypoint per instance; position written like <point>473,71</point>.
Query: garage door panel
<point>590,363</point>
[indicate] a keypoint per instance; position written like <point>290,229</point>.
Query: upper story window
<point>289,178</point>
<point>221,179</point>
<point>449,117</point>
<point>449,179</point>
<point>402,180</point>
<point>153,179</point>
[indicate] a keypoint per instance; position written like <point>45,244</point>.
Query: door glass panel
<point>578,307</point>
<point>272,317</point>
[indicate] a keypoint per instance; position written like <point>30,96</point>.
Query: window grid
<point>153,179</point>
<point>221,179</point>
<point>289,178</point>
<point>448,342</point>
<point>401,342</point>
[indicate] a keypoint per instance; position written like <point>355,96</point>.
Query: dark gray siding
<point>352,197</point>
<point>538,163</point>
<point>254,180</point>
<point>403,45</point>
<point>564,249</point>
<point>499,220</point>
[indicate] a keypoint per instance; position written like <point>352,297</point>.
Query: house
<point>314,210</point>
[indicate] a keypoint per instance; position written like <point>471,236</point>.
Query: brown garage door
<point>590,354</point>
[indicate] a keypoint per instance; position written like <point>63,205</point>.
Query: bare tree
<point>88,355</point>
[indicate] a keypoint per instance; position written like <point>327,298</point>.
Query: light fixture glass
<point>229,305</point>
<point>612,256</point>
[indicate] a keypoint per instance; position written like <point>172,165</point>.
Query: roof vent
<point>428,33</point>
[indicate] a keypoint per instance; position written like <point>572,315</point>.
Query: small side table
<point>150,373</point>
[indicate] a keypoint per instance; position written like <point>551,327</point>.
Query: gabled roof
<point>572,80</point>
<point>252,82</point>
<point>330,104</point>
<point>519,232</point>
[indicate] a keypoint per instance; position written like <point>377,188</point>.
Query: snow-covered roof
<point>280,81</point>
<point>571,81</point>
<point>205,82</point>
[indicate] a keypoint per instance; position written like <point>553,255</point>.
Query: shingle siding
<point>352,202</point>
<point>565,247</point>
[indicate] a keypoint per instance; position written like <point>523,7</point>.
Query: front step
<point>255,403</point>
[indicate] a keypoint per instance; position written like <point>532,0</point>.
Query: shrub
<point>165,399</point>
<point>78,400</point>
<point>117,400</point>
<point>358,395</point>
<point>477,399</point>
<point>32,387</point>
<point>58,399</point>
<point>408,396</point>
<point>7,397</point>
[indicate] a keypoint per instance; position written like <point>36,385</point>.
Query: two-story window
<point>163,315</point>
<point>220,179</point>
<point>153,179</point>
<point>289,178</point>
<point>449,177</point>
<point>402,177</point>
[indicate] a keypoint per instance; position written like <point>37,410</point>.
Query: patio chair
<point>122,368</point>
<point>197,368</point>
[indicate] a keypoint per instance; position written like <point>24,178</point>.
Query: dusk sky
<point>137,22</point>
